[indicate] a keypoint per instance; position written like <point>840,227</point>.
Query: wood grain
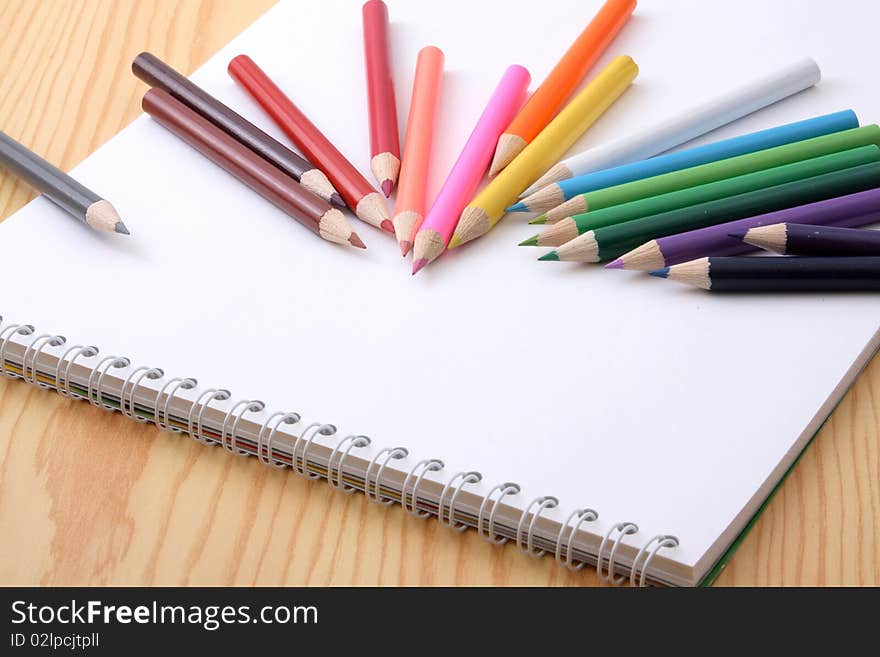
<point>88,497</point>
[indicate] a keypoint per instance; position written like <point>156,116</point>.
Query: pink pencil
<point>410,207</point>
<point>460,185</point>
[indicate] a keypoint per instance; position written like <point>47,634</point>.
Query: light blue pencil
<point>552,195</point>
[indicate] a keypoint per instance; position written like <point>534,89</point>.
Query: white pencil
<point>687,125</point>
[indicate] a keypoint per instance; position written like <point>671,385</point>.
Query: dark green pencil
<point>613,241</point>
<point>570,227</point>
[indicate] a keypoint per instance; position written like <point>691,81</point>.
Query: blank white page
<point>652,403</point>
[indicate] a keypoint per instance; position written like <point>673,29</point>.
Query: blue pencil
<point>557,193</point>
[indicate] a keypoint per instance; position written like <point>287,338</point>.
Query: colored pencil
<point>804,240</point>
<point>613,241</point>
<point>76,199</point>
<point>487,208</point>
<point>556,193</point>
<point>734,166</point>
<point>357,193</point>
<point>852,210</point>
<point>756,274</point>
<point>267,180</point>
<point>562,81</point>
<point>689,124</point>
<point>468,170</point>
<point>409,210</point>
<point>569,228</point>
<point>384,144</point>
<point>157,73</point>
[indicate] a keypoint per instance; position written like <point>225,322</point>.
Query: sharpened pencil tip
<point>121,228</point>
<point>550,257</point>
<point>540,219</point>
<point>532,241</point>
<point>387,185</point>
<point>660,273</point>
<point>418,265</point>
<point>738,235</point>
<point>336,200</point>
<point>354,240</point>
<point>387,226</point>
<point>454,242</point>
<point>405,246</point>
<point>617,264</point>
<point>517,207</point>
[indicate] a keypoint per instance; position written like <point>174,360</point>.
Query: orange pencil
<point>562,81</point>
<point>409,211</point>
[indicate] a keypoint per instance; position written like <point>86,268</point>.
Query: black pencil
<point>801,239</point>
<point>65,192</point>
<point>785,274</point>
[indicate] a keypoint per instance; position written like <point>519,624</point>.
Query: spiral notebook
<point>594,416</point>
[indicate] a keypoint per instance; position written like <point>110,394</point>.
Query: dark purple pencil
<point>801,239</point>
<point>848,211</point>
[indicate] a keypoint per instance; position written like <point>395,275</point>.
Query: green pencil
<point>570,227</point>
<point>613,241</point>
<point>734,166</point>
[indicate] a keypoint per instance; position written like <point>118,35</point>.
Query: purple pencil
<point>847,211</point>
<point>802,239</point>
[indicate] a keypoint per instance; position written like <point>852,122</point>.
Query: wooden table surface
<point>90,498</point>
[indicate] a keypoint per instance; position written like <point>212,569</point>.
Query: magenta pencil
<point>438,226</point>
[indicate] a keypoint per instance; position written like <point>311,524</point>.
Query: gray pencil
<point>58,187</point>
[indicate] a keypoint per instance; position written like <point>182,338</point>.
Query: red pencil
<point>357,193</point>
<point>384,141</point>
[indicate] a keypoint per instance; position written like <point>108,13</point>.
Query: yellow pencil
<point>487,208</point>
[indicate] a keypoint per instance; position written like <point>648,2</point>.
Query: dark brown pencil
<point>268,181</point>
<point>157,73</point>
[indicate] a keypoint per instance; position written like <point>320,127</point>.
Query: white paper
<point>649,402</point>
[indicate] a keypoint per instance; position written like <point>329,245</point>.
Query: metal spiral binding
<point>543,502</point>
<point>662,541</point>
<point>389,453</point>
<point>422,467</point>
<point>249,406</point>
<point>583,515</point>
<point>40,342</point>
<point>301,467</point>
<point>160,415</point>
<point>134,378</point>
<point>503,490</point>
<point>95,387</point>
<point>5,335</point>
<point>194,427</point>
<point>352,442</point>
<point>267,453</point>
<point>283,417</point>
<point>466,478</point>
<point>62,384</point>
<point>625,529</point>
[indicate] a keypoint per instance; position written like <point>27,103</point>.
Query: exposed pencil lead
<point>387,185</point>
<point>336,199</point>
<point>387,226</point>
<point>540,219</point>
<point>738,235</point>
<point>517,207</point>
<point>616,264</point>
<point>405,246</point>
<point>354,240</point>
<point>418,265</point>
<point>531,241</point>
<point>121,228</point>
<point>550,257</point>
<point>660,273</point>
